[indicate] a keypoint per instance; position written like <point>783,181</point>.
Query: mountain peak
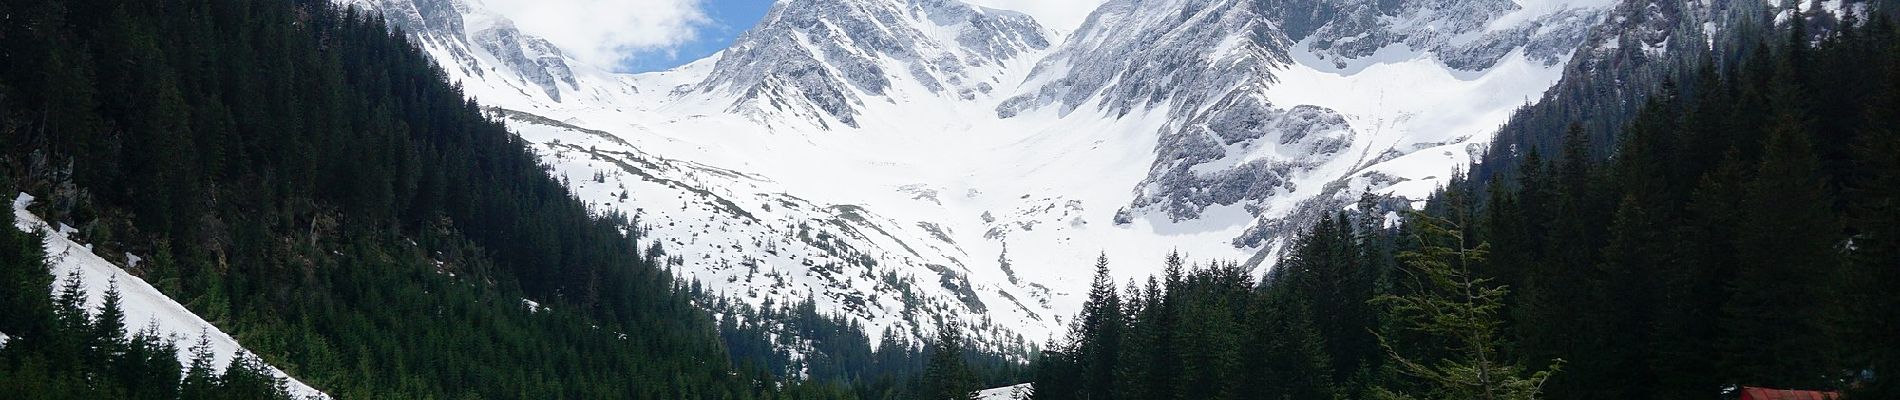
<point>820,60</point>
<point>480,42</point>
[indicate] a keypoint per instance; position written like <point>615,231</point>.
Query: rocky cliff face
<point>1214,67</point>
<point>1468,35</point>
<point>532,58</point>
<point>820,60</point>
<point>479,43</point>
<point>1180,54</point>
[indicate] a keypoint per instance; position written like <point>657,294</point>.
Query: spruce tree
<point>947,377</point>
<point>1638,245</point>
<point>1099,335</point>
<point>1875,263</point>
<point>246,377</point>
<point>1209,334</point>
<point>108,327</point>
<point>1056,373</point>
<point>1567,315</point>
<point>1781,313</point>
<point>1454,304</point>
<point>1337,283</point>
<point>1692,290</point>
<point>1286,357</point>
<point>201,378</point>
<point>150,364</point>
<point>24,279</point>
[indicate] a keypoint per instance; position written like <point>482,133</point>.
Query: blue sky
<point>727,19</point>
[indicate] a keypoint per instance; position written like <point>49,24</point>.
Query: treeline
<point>947,370</point>
<point>307,180</point>
<point>798,339</point>
<point>1745,231</point>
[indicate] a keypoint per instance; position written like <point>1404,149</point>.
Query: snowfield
<point>144,305</point>
<point>907,161</point>
<point>1014,392</point>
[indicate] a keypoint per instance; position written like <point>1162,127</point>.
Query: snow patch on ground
<point>144,305</point>
<point>1019,391</point>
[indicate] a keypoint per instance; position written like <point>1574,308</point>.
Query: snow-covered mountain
<point>902,161</point>
<point>820,60</point>
<point>1282,109</point>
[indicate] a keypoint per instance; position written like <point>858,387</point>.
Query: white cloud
<point>1061,15</point>
<point>606,32</point>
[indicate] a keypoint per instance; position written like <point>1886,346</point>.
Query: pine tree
<point>150,365</point>
<point>71,303</point>
<point>1779,320</point>
<point>201,380</point>
<point>1454,304</point>
<point>246,377</point>
<point>1160,355</point>
<point>1638,245</point>
<point>1286,357</point>
<point>24,279</point>
<point>947,377</point>
<point>1209,333</point>
<point>1875,263</point>
<point>1691,291</point>
<point>108,327</point>
<point>1566,313</point>
<point>1329,272</point>
<point>1139,303</point>
<point>1100,336</point>
<point>1056,373</point>
<point>1084,366</point>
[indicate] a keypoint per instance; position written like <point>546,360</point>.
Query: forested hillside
<point>304,178</point>
<point>1741,232</point>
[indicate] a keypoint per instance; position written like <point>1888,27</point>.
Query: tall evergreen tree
<point>246,377</point>
<point>1781,311</point>
<point>1285,356</point>
<point>1455,304</point>
<point>151,364</point>
<point>1876,215</point>
<point>1098,335</point>
<point>947,377</point>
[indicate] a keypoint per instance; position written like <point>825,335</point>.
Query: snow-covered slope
<point>144,305</point>
<point>903,161</point>
<point>1014,392</point>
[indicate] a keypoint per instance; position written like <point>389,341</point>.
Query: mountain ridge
<point>1215,133</point>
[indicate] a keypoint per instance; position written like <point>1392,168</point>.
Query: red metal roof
<point>1755,393</point>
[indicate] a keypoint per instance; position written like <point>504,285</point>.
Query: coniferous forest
<point>307,180</point>
<point>1740,232</point>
